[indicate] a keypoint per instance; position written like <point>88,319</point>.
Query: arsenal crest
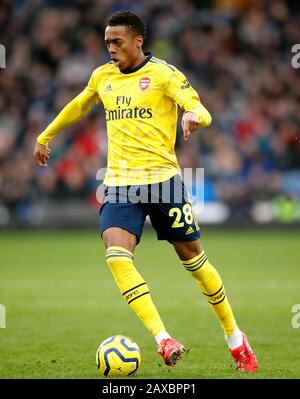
<point>144,83</point>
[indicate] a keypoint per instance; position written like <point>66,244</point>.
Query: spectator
<point>235,53</point>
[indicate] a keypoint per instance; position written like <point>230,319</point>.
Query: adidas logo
<point>190,230</point>
<point>108,88</point>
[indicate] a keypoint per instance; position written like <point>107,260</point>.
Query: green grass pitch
<point>61,302</point>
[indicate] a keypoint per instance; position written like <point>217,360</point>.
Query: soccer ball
<point>118,356</point>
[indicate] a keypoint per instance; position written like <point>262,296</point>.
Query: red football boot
<point>245,359</point>
<point>171,351</point>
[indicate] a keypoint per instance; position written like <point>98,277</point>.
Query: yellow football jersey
<point>141,115</point>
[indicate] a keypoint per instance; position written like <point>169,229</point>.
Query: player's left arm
<point>195,115</point>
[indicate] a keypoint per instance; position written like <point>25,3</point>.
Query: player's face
<point>123,46</point>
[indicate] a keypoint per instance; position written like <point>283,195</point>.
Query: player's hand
<point>189,123</point>
<point>41,155</point>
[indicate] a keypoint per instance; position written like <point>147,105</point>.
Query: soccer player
<point>140,94</point>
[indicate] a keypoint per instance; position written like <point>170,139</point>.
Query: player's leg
<point>120,245</point>
<point>175,221</point>
<point>196,262</point>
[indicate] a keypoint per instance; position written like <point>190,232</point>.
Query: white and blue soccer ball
<point>118,356</point>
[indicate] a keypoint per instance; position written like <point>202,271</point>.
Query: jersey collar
<point>129,70</point>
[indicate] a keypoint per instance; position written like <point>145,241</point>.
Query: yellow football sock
<point>210,284</point>
<point>133,287</point>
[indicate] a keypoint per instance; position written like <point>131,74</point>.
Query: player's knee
<point>115,236</point>
<point>192,253</point>
<point>188,250</point>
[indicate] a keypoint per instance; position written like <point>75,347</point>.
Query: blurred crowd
<point>237,55</point>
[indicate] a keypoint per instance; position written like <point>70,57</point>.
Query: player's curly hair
<point>129,19</point>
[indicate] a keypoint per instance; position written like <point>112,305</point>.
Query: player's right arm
<point>71,113</point>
